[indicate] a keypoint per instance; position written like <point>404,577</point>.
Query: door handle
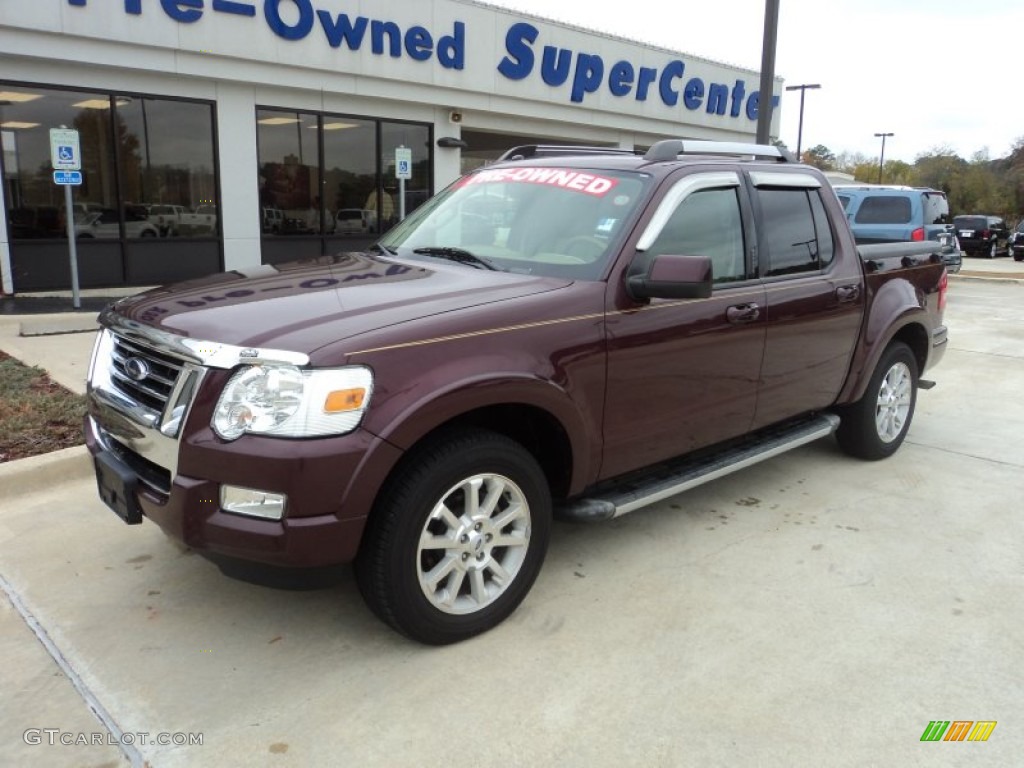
<point>848,292</point>
<point>742,313</point>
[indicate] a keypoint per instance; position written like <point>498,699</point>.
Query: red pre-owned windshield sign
<point>587,183</point>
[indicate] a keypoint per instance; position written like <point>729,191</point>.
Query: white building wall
<point>242,63</point>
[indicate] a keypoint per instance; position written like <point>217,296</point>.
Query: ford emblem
<point>136,368</point>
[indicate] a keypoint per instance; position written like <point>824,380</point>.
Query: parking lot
<point>812,610</point>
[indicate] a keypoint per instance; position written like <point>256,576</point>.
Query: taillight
<point>917,235</point>
<point>985,234</point>
<point>943,288</point>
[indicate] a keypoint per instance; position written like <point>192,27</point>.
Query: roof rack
<point>556,150</point>
<point>670,149</point>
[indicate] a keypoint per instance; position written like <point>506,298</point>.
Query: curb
<point>993,278</point>
<point>48,470</point>
<point>68,324</point>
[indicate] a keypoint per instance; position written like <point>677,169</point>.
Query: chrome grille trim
<point>162,372</point>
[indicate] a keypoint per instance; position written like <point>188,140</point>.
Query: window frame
<point>795,181</point>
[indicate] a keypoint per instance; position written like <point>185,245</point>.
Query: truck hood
<point>303,306</point>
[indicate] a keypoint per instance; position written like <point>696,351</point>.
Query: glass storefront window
<point>35,205</point>
<point>334,176</point>
<point>417,189</point>
<point>350,174</point>
<point>289,167</point>
<point>167,163</point>
<point>148,164</point>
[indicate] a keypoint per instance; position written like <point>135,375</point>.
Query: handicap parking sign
<point>65,150</point>
<point>403,163</point>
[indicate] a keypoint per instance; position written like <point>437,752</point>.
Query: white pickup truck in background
<point>179,221</point>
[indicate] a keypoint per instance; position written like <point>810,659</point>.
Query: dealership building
<point>225,134</point>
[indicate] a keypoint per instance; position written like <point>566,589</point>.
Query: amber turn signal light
<point>341,400</point>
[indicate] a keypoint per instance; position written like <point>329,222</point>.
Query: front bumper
<point>158,458</point>
<point>317,476</point>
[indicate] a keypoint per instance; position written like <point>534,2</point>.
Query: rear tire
<point>874,427</point>
<point>457,537</point>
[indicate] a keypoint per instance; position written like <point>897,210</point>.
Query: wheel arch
<point>898,312</point>
<point>537,414</point>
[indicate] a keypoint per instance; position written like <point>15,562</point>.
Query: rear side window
<point>936,208</point>
<point>884,210</point>
<point>796,230</point>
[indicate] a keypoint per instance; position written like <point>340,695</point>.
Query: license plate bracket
<point>118,486</point>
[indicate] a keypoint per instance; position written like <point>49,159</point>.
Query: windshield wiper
<point>460,255</point>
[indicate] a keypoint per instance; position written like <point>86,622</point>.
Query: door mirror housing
<point>668,276</point>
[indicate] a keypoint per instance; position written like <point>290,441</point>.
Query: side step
<point>667,480</point>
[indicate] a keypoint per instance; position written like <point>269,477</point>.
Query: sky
<point>935,73</point>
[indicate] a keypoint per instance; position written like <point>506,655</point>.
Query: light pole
<point>765,96</point>
<point>881,159</point>
<point>800,129</point>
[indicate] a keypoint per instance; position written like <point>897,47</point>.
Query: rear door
<point>813,293</point>
<point>683,374</point>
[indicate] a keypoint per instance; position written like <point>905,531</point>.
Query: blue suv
<point>886,214</point>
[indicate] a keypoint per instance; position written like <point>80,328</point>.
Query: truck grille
<point>143,374</point>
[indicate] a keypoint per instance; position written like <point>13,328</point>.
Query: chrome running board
<point>640,490</point>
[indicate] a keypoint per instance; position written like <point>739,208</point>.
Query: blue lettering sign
<point>179,10</point>
<point>647,76</point>
<point>718,99</point>
<point>377,31</point>
<point>451,49</point>
<point>342,30</point>
<point>673,71</point>
<point>589,72</point>
<point>230,6</point>
<point>584,73</point>
<point>620,78</point>
<point>519,62</point>
<point>298,30</point>
<point>737,99</point>
<point>554,65</point>
<point>693,94</point>
<point>418,43</point>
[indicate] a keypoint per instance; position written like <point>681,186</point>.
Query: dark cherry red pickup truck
<point>570,331</point>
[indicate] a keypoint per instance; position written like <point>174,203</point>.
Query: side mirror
<point>671,277</point>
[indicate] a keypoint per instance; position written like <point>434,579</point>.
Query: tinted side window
<point>884,210</point>
<point>707,223</point>
<point>845,200</point>
<point>936,208</point>
<point>789,223</point>
<point>826,245</point>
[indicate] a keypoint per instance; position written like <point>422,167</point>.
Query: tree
<point>820,157</point>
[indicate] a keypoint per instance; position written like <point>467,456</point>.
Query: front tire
<point>874,427</point>
<point>457,537</point>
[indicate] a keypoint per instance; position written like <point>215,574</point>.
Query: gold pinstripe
<point>761,289</point>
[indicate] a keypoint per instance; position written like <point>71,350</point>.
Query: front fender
<point>436,398</point>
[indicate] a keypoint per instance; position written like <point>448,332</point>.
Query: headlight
<point>285,401</point>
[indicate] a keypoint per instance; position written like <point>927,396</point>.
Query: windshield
<point>552,222</point>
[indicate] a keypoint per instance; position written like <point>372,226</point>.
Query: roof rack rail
<point>670,149</point>
<point>556,150</point>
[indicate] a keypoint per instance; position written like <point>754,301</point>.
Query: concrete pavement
<point>812,610</point>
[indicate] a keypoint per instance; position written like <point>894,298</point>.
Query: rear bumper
<point>940,340</point>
